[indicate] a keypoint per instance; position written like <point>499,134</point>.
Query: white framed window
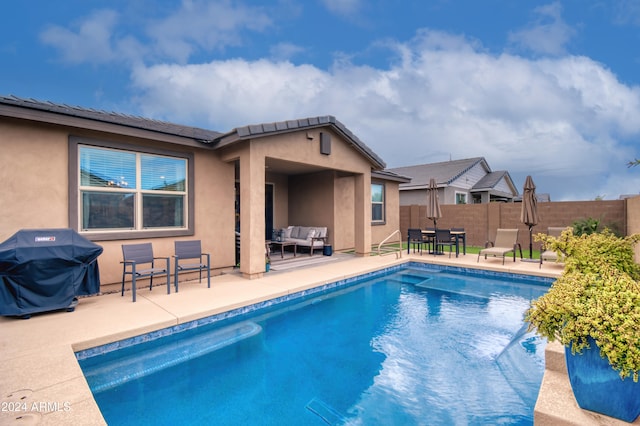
<point>126,192</point>
<point>461,198</point>
<point>377,203</point>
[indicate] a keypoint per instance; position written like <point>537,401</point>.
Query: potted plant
<point>267,263</point>
<point>593,309</point>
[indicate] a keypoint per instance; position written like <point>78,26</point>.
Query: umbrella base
<point>530,260</point>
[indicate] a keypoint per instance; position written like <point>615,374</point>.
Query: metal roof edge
<point>388,175</point>
<point>111,118</point>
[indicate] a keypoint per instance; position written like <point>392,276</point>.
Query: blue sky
<point>548,89</point>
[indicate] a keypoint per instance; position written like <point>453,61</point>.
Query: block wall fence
<point>481,221</point>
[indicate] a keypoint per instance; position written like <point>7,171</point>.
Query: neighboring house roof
<point>212,138</point>
<point>444,172</point>
<point>267,129</point>
<point>492,179</point>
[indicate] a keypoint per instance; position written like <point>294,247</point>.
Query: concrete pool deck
<point>42,383</point>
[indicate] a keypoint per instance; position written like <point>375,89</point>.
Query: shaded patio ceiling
<point>277,165</point>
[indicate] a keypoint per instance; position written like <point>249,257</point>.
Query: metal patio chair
<point>139,262</point>
<point>416,239</point>
<point>189,257</point>
<point>443,238</point>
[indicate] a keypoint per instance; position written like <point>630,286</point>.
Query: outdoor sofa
<point>311,237</point>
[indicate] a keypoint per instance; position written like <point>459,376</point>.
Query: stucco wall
<point>33,171</point>
<point>34,167</point>
<point>633,220</point>
<point>343,236</point>
<point>311,199</point>
<point>392,214</point>
<point>280,199</point>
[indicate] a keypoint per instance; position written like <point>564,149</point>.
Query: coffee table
<point>283,244</point>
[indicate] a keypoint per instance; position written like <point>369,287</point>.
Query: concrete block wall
<point>482,220</point>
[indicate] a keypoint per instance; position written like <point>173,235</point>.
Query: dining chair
<point>416,239</point>
<point>443,238</point>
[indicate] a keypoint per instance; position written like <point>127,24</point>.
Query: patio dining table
<point>458,235</point>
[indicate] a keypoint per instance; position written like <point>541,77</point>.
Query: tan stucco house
<point>464,181</point>
<point>119,179</point>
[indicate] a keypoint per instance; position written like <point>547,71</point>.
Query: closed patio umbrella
<point>529,212</point>
<point>433,202</point>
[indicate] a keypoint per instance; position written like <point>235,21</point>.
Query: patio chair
<point>506,242</point>
<point>189,257</point>
<point>416,239</point>
<point>137,255</point>
<point>550,255</point>
<point>458,234</point>
<point>443,238</point>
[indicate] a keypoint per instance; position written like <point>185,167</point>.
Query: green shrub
<point>586,226</point>
<point>597,296</point>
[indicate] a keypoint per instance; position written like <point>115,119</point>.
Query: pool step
<point>412,276</point>
<point>325,412</point>
<point>475,287</point>
<point>122,370</point>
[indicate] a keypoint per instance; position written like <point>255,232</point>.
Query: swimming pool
<point>415,344</point>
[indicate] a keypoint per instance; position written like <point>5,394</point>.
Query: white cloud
<point>91,42</point>
<point>230,93</point>
<point>548,34</point>
<point>626,12</point>
<point>343,7</point>
<point>285,51</point>
<point>206,25</point>
<point>560,120</point>
<point>196,26</point>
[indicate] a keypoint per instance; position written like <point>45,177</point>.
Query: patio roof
<point>268,129</point>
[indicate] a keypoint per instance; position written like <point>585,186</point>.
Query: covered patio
<point>311,172</point>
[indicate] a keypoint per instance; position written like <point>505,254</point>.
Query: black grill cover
<point>45,269</point>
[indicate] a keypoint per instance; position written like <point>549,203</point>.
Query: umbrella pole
<point>530,259</point>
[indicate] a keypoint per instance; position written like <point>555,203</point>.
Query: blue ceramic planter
<point>598,387</point>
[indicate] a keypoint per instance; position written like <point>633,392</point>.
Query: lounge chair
<point>550,255</point>
<point>136,255</point>
<point>506,242</point>
<point>189,257</point>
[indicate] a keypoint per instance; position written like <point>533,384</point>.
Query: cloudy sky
<point>549,89</point>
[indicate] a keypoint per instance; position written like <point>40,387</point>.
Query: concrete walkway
<point>42,383</point>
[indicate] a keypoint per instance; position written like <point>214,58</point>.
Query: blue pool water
<point>408,346</point>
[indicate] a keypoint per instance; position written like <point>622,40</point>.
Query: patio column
<point>362,212</point>
<point>252,222</point>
